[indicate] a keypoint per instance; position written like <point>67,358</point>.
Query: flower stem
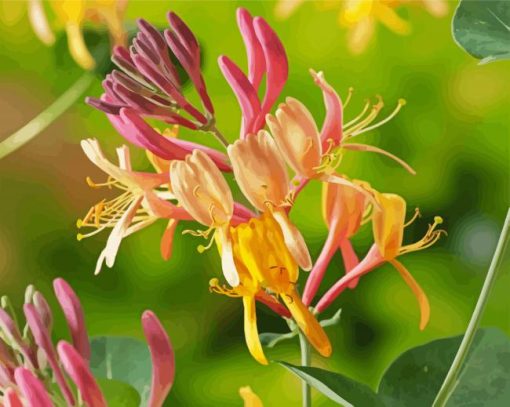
<point>219,136</point>
<point>451,380</point>
<point>46,117</point>
<point>306,358</point>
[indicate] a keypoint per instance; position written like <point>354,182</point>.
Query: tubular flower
<point>263,260</point>
<point>314,154</point>
<point>29,363</point>
<point>344,210</point>
<point>139,204</point>
<point>148,85</point>
<point>262,176</point>
<point>202,190</point>
<point>72,14</point>
<point>266,57</point>
<point>361,16</point>
<point>388,228</point>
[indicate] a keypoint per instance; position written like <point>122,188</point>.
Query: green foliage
<point>119,394</point>
<point>482,28</point>
<point>344,391</point>
<point>125,360</point>
<point>415,377</point>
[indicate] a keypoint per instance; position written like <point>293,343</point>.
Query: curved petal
<point>43,341</point>
<point>308,324</point>
<point>73,312</point>
<point>32,388</point>
<point>418,292</point>
<point>294,240</point>
<point>332,126</point>
<point>254,52</point>
<point>39,22</point>
<point>251,332</point>
<point>78,370</point>
<point>227,257</point>
<point>163,359</point>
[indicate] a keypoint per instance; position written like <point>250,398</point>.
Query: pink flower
<point>266,57</point>
<point>24,372</point>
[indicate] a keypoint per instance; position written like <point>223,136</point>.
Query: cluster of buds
<point>261,249</point>
<point>34,372</point>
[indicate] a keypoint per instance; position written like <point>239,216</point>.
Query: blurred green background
<point>453,131</point>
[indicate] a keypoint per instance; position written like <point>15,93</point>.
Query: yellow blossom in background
<point>249,397</point>
<point>71,16</point>
<point>360,17</point>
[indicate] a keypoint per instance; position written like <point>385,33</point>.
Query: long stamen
<point>358,117</point>
<point>349,96</point>
<point>400,104</point>
<point>376,108</point>
<point>416,215</point>
<point>214,286</point>
<point>430,238</point>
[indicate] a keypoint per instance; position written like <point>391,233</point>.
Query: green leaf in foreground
<point>482,28</point>
<point>122,359</point>
<point>416,376</point>
<point>338,388</point>
<point>119,394</point>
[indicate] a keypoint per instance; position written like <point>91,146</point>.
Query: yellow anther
<point>79,236</point>
<point>438,220</point>
<point>402,102</point>
<point>79,223</point>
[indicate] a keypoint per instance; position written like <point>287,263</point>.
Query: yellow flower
<point>260,254</point>
<point>72,14</point>
<point>264,261</point>
<point>138,205</point>
<point>388,228</point>
<point>249,397</point>
<point>361,16</point>
<point>388,224</point>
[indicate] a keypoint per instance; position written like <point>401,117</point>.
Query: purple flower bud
<point>163,358</point>
<point>43,340</point>
<point>32,389</point>
<point>70,304</point>
<point>79,371</point>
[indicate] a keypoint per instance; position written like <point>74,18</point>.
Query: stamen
<point>215,287</point>
<point>348,98</point>
<point>110,181</point>
<point>366,121</point>
<point>416,215</point>
<point>400,104</point>
<point>358,117</point>
<point>430,238</point>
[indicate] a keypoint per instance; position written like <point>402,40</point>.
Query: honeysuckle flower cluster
<point>71,15</point>
<point>35,372</point>
<point>261,249</point>
<point>360,17</point>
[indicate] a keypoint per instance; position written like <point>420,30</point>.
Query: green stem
<point>451,380</point>
<point>306,358</point>
<point>46,117</point>
<point>219,136</point>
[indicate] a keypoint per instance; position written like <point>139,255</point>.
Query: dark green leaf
<point>482,28</point>
<point>416,376</point>
<point>338,388</point>
<point>123,359</point>
<point>119,394</point>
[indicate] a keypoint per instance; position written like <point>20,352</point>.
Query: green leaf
<point>416,376</point>
<point>119,394</point>
<point>482,28</point>
<point>122,359</point>
<point>338,388</point>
